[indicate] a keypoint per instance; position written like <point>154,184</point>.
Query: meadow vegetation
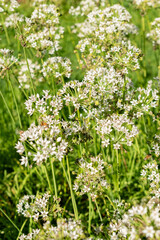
<point>80,119</point>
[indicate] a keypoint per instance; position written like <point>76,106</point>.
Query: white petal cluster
<point>144,4</point>
<point>91,177</point>
<point>86,6</point>
<point>6,60</point>
<point>8,6</point>
<point>109,21</point>
<point>42,30</point>
<point>13,19</point>
<point>57,67</point>
<point>43,142</point>
<point>143,220</point>
<point>66,229</point>
<point>28,70</point>
<point>103,35</point>
<point>154,34</point>
<point>35,207</point>
<point>122,125</point>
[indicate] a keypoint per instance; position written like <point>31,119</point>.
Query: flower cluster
<point>156,145</point>
<point>42,207</point>
<point>13,19</point>
<point>143,220</point>
<point>91,177</point>
<point>140,101</point>
<point>66,229</point>
<point>42,30</point>
<point>154,34</point>
<point>151,174</point>
<point>6,60</point>
<point>86,6</point>
<point>35,207</point>
<point>103,40</point>
<point>46,105</point>
<point>111,21</point>
<point>96,94</point>
<point>57,67</point>
<point>42,142</point>
<point>116,129</point>
<point>143,5</point>
<point>8,6</point>
<point>28,70</point>
<point>94,55</point>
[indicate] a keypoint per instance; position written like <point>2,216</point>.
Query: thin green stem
<point>20,231</point>
<point>5,30</point>
<point>24,50</point>
<point>48,180</point>
<point>144,42</point>
<point>8,109</point>
<point>100,216</point>
<point>9,219</point>
<point>54,179</point>
<point>70,186</point>
<point>90,214</point>
<point>20,123</point>
<point>117,169</point>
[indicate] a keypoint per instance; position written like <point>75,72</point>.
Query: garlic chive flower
<point>154,34</point>
<point>91,177</point>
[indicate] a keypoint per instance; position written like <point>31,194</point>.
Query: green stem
<point>21,88</point>
<point>8,109</point>
<point>9,219</point>
<point>20,123</point>
<point>70,186</point>
<point>117,168</point>
<point>144,43</point>
<point>90,214</point>
<point>95,143</point>
<point>54,179</point>
<point>109,201</point>
<point>20,231</point>
<point>5,29</point>
<point>24,50</point>
<point>47,176</point>
<point>98,211</point>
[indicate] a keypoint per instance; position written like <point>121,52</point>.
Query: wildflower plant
<point>76,85</point>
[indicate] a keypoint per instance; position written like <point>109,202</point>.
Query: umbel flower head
<point>13,19</point>
<point>86,6</point>
<point>7,60</point>
<point>26,72</point>
<point>41,206</point>
<point>91,177</point>
<point>103,35</point>
<point>116,129</point>
<point>57,67</point>
<point>154,34</point>
<point>144,5</point>
<point>143,220</point>
<point>69,229</point>
<point>44,207</point>
<point>42,30</point>
<point>8,6</point>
